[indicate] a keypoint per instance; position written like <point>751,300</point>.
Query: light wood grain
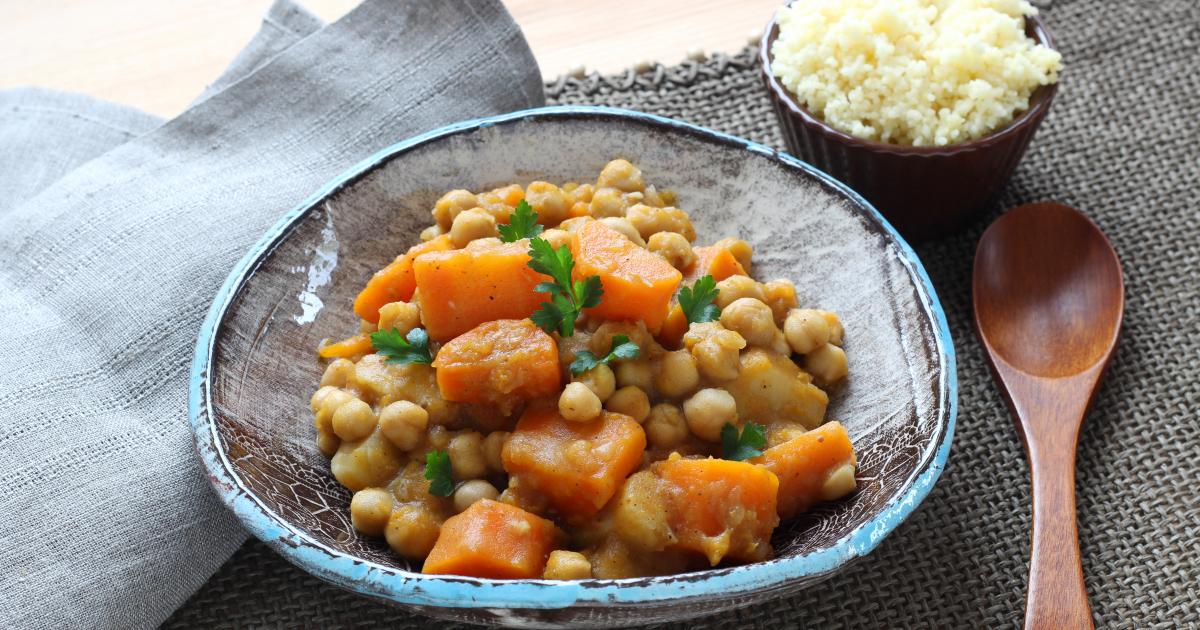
<point>157,55</point>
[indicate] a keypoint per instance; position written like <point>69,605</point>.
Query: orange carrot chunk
<point>637,283</point>
<point>499,363</point>
<point>395,282</point>
<point>459,289</point>
<point>578,466</point>
<point>720,508</point>
<point>805,466</point>
<point>493,540</point>
<point>712,261</point>
<point>346,348</point>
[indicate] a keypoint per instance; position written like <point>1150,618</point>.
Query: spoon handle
<point>1057,598</point>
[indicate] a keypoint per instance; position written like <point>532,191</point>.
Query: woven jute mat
<point>1122,143</point>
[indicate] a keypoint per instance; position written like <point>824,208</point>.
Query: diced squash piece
<point>493,540</point>
<point>578,466</point>
<point>712,261</point>
<point>720,508</point>
<point>638,284</point>
<point>395,282</point>
<point>460,289</point>
<point>673,328</point>
<point>770,385</point>
<point>499,363</point>
<point>347,348</point>
<point>804,465</point>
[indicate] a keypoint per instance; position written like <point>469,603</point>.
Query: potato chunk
<point>771,386</point>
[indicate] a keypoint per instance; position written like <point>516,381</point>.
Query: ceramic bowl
<point>255,365</point>
<point>926,192</point>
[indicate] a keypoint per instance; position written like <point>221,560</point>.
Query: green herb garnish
<point>438,471</point>
<point>567,298</point>
<point>398,349</point>
<point>697,301</point>
<point>522,224</point>
<point>622,348</point>
<point>748,445</point>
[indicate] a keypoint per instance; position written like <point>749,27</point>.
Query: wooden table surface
<point>157,55</point>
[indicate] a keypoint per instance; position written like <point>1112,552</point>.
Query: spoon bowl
<point>1049,299</point>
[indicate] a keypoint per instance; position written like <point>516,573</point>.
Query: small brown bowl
<point>926,192</point>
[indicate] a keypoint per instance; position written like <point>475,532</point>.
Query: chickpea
<point>354,420</point>
<point>836,331</point>
<point>780,295</point>
<point>600,380</point>
<point>370,509</point>
<point>652,197</point>
<point>466,455</point>
<point>470,225</point>
<point>607,202</point>
<point>339,373</point>
<point>500,202</point>
<point>365,327</point>
<point>412,529</point>
<point>673,247</point>
<point>752,319</point>
<point>839,483</point>
<point>579,193</point>
<point>366,463</point>
<point>318,396</point>
<point>649,220</point>
<point>574,223</point>
<point>708,411</point>
<point>602,339</point>
<point>740,249</point>
<point>635,373</point>
<point>677,374</point>
<point>577,403</point>
<point>431,232</point>
<point>472,491</point>
<point>330,403</point>
<point>450,205</point>
<point>716,350</point>
<point>827,364</point>
<point>403,423</point>
<point>738,287</point>
<point>493,450</point>
<point>631,401</point>
<point>548,201</point>
<point>806,330</point>
<point>557,238</point>
<point>622,225</point>
<point>622,175</point>
<point>567,565</point>
<point>403,316</point>
<point>666,426</point>
<point>779,343</point>
<point>328,443</point>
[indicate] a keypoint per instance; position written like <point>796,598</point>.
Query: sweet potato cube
<point>637,283</point>
<point>805,464</point>
<point>348,347</point>
<point>493,540</point>
<point>499,363</point>
<point>720,508</point>
<point>578,466</point>
<point>712,261</point>
<point>395,282</point>
<point>460,289</point>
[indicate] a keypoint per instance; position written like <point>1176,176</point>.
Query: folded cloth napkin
<point>106,271</point>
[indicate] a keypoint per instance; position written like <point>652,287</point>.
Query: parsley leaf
<point>522,224</point>
<point>697,301</point>
<point>567,297</point>
<point>437,470</point>
<point>622,348</point>
<point>748,445</point>
<point>398,349</point>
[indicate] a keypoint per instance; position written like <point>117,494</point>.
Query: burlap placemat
<point>1121,144</point>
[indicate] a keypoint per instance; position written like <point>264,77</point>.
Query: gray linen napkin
<point>106,519</point>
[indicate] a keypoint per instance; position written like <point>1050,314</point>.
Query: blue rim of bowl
<point>406,587</point>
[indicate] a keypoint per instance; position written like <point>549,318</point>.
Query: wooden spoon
<point>1049,298</point>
